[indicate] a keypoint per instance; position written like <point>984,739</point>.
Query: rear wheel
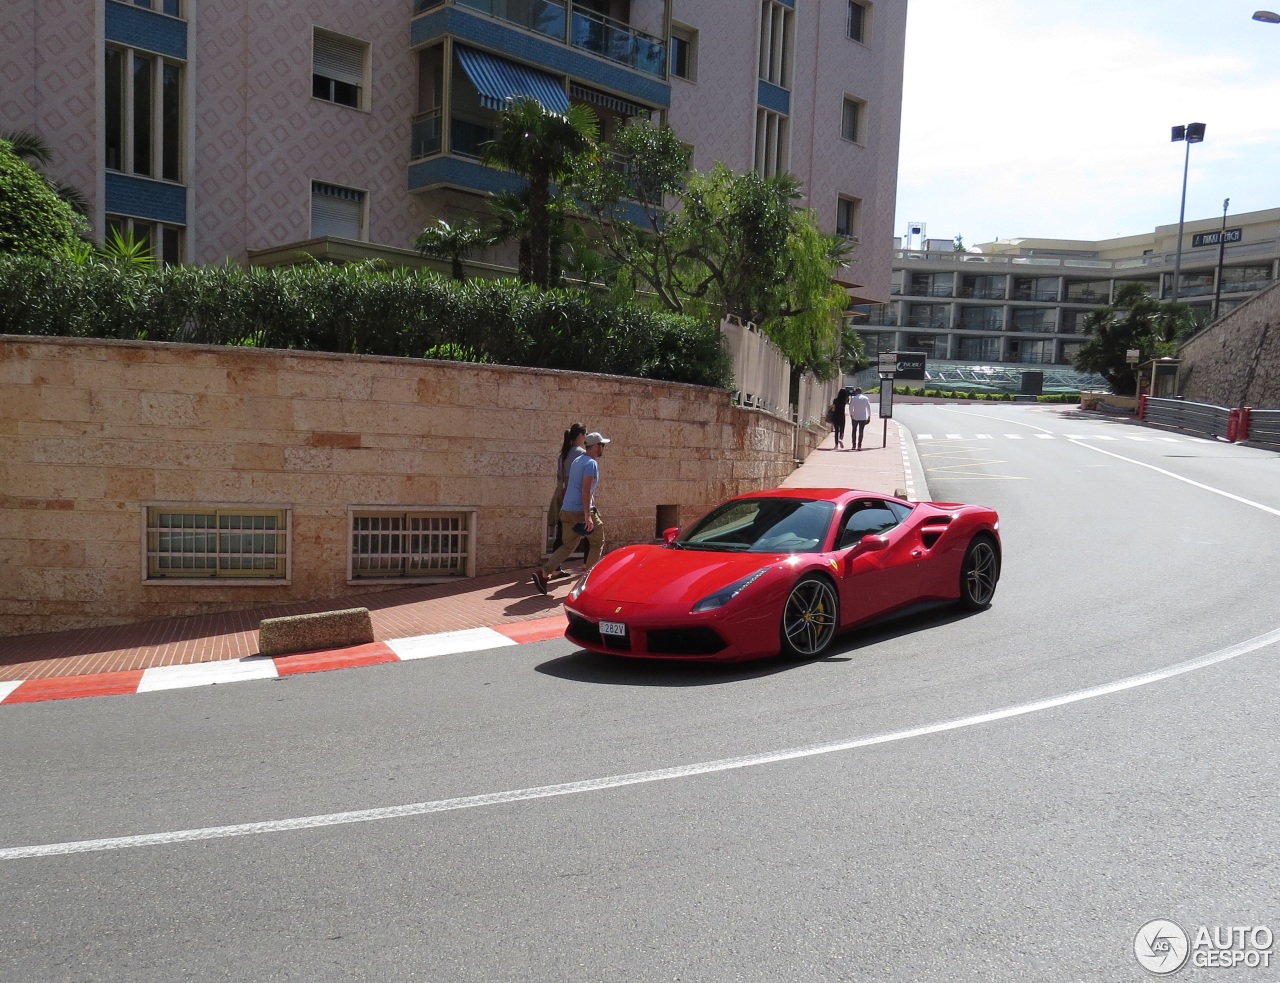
<point>811,618</point>
<point>979,573</point>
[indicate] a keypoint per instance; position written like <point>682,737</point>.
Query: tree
<point>453,243</point>
<point>33,219</point>
<point>541,146</point>
<point>957,244</point>
<point>31,147</point>
<point>1133,320</point>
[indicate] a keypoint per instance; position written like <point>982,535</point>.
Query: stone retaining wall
<point>94,431</point>
<point>1236,361</point>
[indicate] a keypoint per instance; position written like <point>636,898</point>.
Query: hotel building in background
<point>1022,302</point>
<point>254,132</point>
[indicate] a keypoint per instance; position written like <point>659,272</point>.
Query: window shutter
<point>336,212</point>
<point>342,61</point>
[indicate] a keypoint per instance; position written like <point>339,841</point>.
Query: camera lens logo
<point>1161,947</point>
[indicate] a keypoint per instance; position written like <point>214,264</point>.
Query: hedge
<point>359,309</point>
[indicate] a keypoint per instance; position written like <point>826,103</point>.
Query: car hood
<point>658,575</point>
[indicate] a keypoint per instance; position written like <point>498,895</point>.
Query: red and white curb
<point>266,667</point>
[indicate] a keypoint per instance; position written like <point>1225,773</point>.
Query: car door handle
<point>917,553</point>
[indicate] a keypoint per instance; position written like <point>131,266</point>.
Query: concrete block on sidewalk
<point>311,632</point>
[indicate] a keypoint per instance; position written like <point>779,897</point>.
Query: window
<point>773,143</point>
<point>849,217</point>
<point>336,211</point>
<point>143,114</point>
<point>858,22</point>
<point>164,242</point>
<point>869,517</point>
<point>419,544</point>
<point>171,7</point>
<point>776,42</point>
<point>684,52</point>
<point>853,119</point>
<point>338,69</point>
<point>193,542</point>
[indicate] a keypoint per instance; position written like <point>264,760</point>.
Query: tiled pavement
<point>412,622</point>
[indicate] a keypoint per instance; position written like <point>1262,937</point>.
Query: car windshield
<point>762,525</point>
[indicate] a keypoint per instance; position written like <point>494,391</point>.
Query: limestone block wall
<point>1236,362</point>
<point>93,431</point>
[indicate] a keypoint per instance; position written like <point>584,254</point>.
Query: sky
<point>1039,119</point>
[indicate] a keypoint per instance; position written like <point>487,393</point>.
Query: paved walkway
<point>500,608</point>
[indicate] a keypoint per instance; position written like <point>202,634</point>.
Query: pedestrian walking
<point>571,447</point>
<point>579,516</point>
<point>860,412</point>
<point>838,414</point>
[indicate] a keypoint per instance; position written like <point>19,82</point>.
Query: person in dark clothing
<point>838,414</point>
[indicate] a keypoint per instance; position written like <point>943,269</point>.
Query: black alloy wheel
<point>979,573</point>
<point>811,618</point>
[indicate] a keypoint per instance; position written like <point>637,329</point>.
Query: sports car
<point>783,572</point>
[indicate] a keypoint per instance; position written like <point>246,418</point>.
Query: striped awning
<point>498,80</point>
<point>609,102</point>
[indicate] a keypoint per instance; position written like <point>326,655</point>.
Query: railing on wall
<point>763,376</point>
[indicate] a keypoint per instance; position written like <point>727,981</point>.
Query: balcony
<point>589,31</point>
<point>616,41</point>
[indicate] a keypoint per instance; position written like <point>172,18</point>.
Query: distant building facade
<point>251,131</point>
<point>1023,301</point>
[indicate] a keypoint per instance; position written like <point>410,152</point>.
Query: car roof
<point>837,495</point>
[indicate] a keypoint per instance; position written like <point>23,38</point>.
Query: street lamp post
<point>1222,245</point>
<point>1191,133</point>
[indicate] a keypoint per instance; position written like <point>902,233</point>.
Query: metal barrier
<point>1201,418</point>
<point>1263,426</point>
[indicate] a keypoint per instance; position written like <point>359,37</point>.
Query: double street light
<point>1191,133</point>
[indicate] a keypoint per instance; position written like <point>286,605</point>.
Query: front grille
<point>588,633</point>
<point>684,641</point>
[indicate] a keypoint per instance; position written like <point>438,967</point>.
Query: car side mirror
<point>871,543</point>
<point>669,535</point>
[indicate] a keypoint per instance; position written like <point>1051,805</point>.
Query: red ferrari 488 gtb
<point>783,571</point>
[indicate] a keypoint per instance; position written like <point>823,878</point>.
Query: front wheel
<point>810,619</point>
<point>979,573</point>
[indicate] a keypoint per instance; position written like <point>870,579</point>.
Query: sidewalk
<point>412,622</point>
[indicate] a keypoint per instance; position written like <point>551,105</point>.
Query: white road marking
<point>448,643</point>
<point>1043,436</point>
<point>1197,484</point>
<point>9,687</point>
<point>1014,436</point>
<point>635,778</point>
<point>207,673</point>
<point>983,436</point>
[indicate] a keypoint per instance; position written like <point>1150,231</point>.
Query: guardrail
<point>1201,418</point>
<point>1241,423</point>
<point>1262,426</point>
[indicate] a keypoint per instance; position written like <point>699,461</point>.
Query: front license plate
<point>612,628</point>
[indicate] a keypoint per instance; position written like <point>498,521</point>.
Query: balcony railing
<point>468,136</point>
<point>590,31</point>
<point>616,41</point>
<point>425,135</point>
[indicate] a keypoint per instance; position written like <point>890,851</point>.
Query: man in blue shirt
<point>578,515</point>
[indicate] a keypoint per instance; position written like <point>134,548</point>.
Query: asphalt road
<point>1003,796</point>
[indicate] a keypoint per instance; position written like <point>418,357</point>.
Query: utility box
<point>1032,383</point>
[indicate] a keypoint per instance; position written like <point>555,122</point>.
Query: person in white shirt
<point>860,413</point>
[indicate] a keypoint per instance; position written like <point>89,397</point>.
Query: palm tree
<point>31,148</point>
<point>451,242</point>
<point>540,146</point>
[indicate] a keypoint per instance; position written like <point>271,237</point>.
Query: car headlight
<point>579,586</point>
<point>726,594</point>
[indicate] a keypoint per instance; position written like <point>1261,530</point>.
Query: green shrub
<point>358,309</point>
<point>33,219</point>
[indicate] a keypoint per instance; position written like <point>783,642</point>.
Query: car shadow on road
<point>617,670</point>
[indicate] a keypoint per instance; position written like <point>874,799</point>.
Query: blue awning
<point>498,80</point>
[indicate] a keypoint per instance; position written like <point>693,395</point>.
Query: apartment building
<point>1024,300</point>
<point>253,132</point>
